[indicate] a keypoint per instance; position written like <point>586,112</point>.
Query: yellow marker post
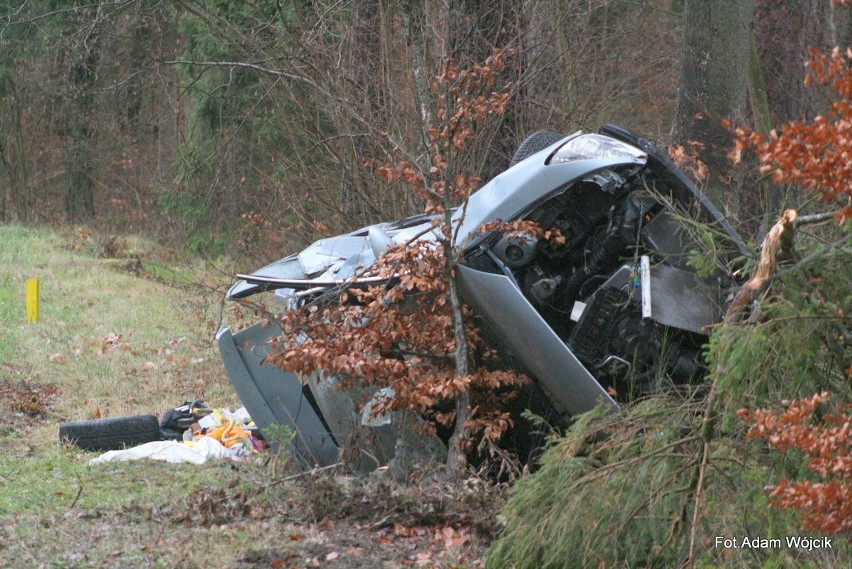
<point>32,300</point>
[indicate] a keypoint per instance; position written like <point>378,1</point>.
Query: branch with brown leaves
<point>816,154</point>
<point>822,432</point>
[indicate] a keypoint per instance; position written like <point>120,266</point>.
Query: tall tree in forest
<point>79,152</point>
<point>785,34</point>
<point>13,167</point>
<point>714,86</point>
<point>12,162</point>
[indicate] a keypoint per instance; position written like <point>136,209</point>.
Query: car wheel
<point>111,434</point>
<point>533,143</point>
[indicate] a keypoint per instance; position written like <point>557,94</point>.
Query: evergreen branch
<point>831,247</point>
<point>663,489</point>
<point>637,459</point>
<point>707,430</point>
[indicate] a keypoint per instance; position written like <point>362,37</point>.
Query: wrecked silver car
<point>609,313</point>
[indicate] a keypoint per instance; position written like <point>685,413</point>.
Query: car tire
<point>533,143</point>
<point>111,434</point>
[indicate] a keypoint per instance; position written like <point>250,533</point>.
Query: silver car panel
<point>273,396</point>
<point>570,387</point>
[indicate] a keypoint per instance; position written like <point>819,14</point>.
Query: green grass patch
<point>56,479</point>
<point>113,342</point>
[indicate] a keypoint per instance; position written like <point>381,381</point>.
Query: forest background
<point>243,127</point>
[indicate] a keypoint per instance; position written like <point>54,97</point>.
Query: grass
<point>110,343</point>
<point>59,512</point>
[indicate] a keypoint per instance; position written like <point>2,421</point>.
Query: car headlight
<point>588,146</point>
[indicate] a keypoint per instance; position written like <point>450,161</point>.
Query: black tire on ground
<point>111,434</point>
<point>533,143</point>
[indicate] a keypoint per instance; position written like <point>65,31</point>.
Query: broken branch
<point>778,245</point>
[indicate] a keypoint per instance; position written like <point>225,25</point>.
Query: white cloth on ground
<point>205,449</point>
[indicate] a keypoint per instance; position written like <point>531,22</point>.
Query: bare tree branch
<point>244,65</point>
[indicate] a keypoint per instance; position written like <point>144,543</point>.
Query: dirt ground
<point>338,521</point>
<point>372,525</point>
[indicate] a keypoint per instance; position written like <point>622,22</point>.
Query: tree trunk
<point>79,154</point>
<point>456,456</point>
<point>12,158</point>
<point>2,189</point>
<point>786,31</point>
<point>713,86</point>
<point>79,193</point>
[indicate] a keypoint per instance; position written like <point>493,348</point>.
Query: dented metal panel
<point>274,396</point>
<point>571,388</point>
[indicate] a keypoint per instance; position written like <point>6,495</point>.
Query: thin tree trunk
<point>456,457</point>
<point>79,153</point>
<point>20,195</point>
<point>772,193</point>
<point>2,187</point>
<point>786,31</point>
<point>79,192</point>
<point>12,156</point>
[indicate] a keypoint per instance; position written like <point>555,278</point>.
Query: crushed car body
<point>599,315</point>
